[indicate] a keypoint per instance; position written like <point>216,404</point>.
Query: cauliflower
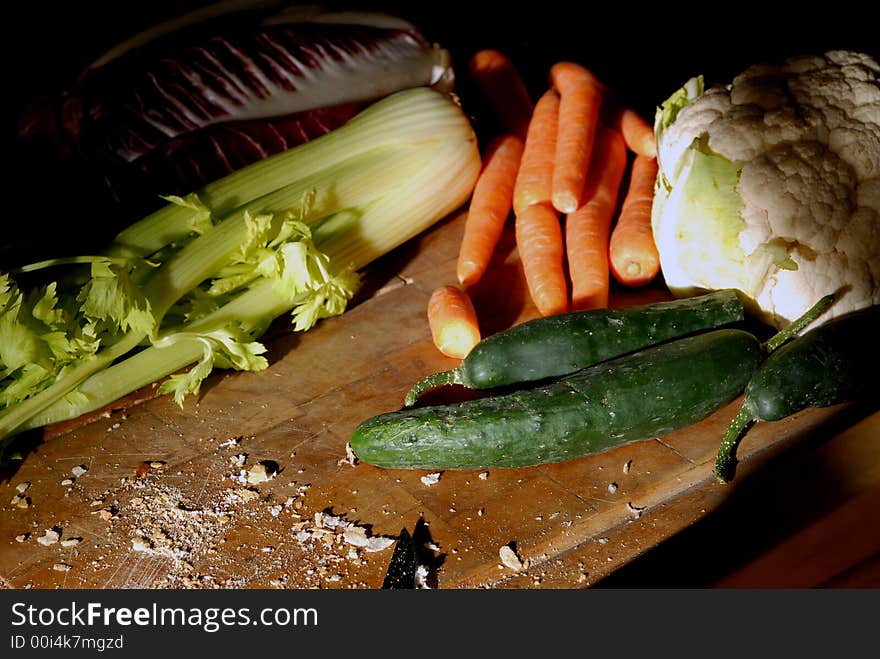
<point>771,186</point>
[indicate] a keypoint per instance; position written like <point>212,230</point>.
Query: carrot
<point>539,241</point>
<point>491,202</point>
<point>632,251</point>
<point>535,176</point>
<point>453,321</point>
<point>580,100</point>
<point>637,133</point>
<point>587,229</point>
<point>504,89</point>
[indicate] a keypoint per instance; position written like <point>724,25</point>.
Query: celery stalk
<point>254,308</point>
<point>408,111</point>
<point>283,235</point>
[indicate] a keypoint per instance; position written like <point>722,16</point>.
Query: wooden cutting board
<point>150,495</point>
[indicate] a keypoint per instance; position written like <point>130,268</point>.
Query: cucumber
<point>637,396</point>
<point>557,345</point>
<point>834,363</point>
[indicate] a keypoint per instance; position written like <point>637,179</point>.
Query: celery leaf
<point>228,347</point>
<point>201,219</point>
<point>111,299</point>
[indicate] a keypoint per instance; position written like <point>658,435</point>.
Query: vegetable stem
<point>409,112</point>
<point>12,418</point>
<point>725,460</point>
<point>799,324</point>
<point>440,379</point>
<point>199,281</point>
<point>72,260</point>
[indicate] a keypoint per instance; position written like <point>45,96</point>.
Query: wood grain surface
<point>165,501</point>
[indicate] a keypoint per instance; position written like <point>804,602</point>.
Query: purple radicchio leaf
<point>168,115</point>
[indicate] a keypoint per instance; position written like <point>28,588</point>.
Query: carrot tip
<point>633,269</point>
<point>468,275</point>
<point>457,340</point>
<point>565,202</point>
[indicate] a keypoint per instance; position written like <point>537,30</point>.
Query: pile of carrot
<point>558,166</point>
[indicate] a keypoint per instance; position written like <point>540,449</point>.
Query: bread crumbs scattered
<point>349,459</point>
<point>105,514</point>
<point>355,535</point>
<point>376,544</point>
<point>431,479</point>
<point>50,537</point>
<point>636,511</point>
<point>61,567</point>
<point>231,534</point>
<point>261,472</point>
<point>138,544</point>
<point>422,578</point>
<point>235,529</point>
<point>509,558</point>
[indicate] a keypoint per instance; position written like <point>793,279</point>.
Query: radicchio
<point>168,115</point>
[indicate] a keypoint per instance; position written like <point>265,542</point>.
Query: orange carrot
<point>535,176</point>
<point>587,229</point>
<point>504,89</point>
<point>632,251</point>
<point>490,207</point>
<point>453,321</point>
<point>637,133</point>
<point>580,98</point>
<point>539,241</point>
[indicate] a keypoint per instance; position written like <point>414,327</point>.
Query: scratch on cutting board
<point>399,281</point>
<point>87,460</point>
<point>201,493</point>
<point>134,575</point>
<point>672,448</point>
<point>28,566</point>
<point>77,529</point>
<point>160,570</point>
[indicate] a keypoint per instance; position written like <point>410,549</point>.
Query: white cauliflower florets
<point>771,185</point>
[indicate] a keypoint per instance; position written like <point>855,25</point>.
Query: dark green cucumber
<point>557,345</point>
<point>837,362</point>
<point>833,363</point>
<point>638,396</point>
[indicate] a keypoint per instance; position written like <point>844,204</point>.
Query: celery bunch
<point>199,281</point>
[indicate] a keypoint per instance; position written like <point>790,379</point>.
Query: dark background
<point>641,51</point>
